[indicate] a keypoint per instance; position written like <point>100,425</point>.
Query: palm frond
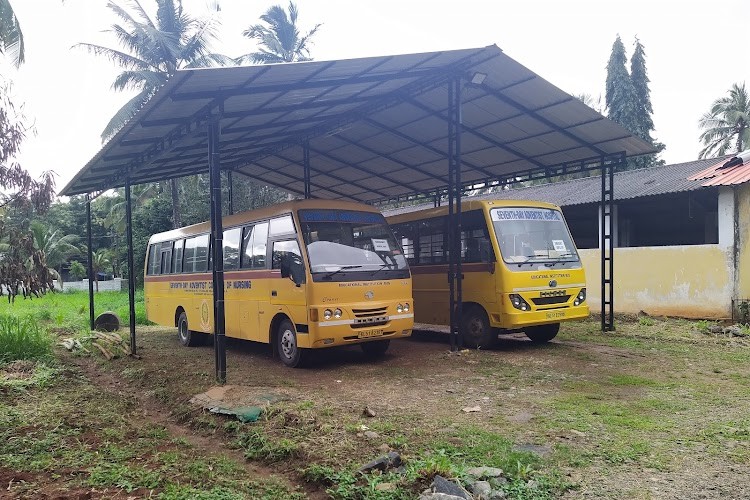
<point>11,35</point>
<point>125,113</point>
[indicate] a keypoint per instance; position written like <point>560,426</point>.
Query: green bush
<point>23,338</point>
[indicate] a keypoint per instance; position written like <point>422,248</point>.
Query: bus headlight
<point>400,308</point>
<point>406,307</point>
<point>580,298</point>
<point>518,302</point>
<point>327,314</point>
<point>337,313</point>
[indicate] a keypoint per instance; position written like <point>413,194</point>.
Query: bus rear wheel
<point>286,345</point>
<point>475,329</point>
<point>187,337</point>
<point>375,348</point>
<point>543,333</point>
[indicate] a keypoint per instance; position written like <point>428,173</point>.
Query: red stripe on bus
<point>443,268</point>
<point>259,274</point>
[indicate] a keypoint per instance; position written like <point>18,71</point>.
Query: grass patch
<point>23,339</point>
<point>69,311</point>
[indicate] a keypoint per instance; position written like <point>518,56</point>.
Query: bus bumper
<point>521,319</point>
<point>325,334</point>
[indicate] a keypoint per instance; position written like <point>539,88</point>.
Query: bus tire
<point>186,336</point>
<point>475,329</point>
<point>375,348</point>
<point>286,345</point>
<point>543,333</point>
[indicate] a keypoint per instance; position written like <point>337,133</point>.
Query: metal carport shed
<point>373,130</point>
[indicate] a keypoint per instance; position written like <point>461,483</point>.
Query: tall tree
<point>620,96</point>
<point>22,267</point>
<point>279,38</point>
<point>726,127</point>
<point>628,98</point>
<point>153,50</point>
<point>11,36</point>
<point>644,122</point>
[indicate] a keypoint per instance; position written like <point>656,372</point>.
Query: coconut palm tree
<point>11,36</point>
<point>55,249</point>
<point>280,39</point>
<point>726,128</point>
<point>153,50</point>
<point>99,262</point>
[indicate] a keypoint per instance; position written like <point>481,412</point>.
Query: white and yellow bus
<point>521,270</point>
<point>300,275</point>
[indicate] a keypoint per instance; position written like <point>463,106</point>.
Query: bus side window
<point>282,225</point>
<point>260,244</point>
<point>201,254</point>
<point>177,256</point>
<point>232,248</point>
<point>246,254</point>
<point>254,243</point>
<point>405,236</point>
<point>166,257</point>
<point>152,267</point>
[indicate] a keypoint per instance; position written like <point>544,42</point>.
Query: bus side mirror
<point>291,267</point>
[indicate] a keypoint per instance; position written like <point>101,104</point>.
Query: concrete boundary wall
<point>114,285</point>
<point>694,281</point>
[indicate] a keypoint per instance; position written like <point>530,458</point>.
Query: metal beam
<point>90,251</point>
<point>216,243</point>
<point>131,265</point>
<point>537,116</point>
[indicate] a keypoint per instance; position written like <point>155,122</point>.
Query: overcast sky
<point>691,48</point>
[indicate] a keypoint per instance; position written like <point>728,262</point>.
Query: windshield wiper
<point>382,266</point>
<point>340,269</point>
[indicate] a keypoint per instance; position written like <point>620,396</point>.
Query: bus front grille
<point>544,301</point>
<point>369,313</point>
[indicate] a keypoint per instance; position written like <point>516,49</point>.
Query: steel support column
<point>606,245</point>
<point>306,165</point>
<point>90,251</point>
<point>217,248</point>
<point>455,275</point>
<point>457,130</point>
<point>131,265</point>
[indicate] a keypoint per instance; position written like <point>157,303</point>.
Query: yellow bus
<point>299,275</point>
<point>521,270</point>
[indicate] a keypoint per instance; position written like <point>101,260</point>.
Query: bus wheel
<point>286,345</point>
<point>475,328</point>
<point>187,337</point>
<point>375,348</point>
<point>543,333</point>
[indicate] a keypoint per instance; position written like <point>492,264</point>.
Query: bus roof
<point>426,211</point>
<point>260,214</point>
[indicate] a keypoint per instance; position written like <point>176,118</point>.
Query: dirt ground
<point>648,412</point>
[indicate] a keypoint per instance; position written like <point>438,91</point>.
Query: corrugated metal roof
<point>729,171</point>
<point>628,185</point>
<point>377,127</point>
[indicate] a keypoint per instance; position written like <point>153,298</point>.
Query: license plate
<point>370,333</point>
<point>555,315</point>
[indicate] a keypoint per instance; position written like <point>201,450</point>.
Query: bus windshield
<point>527,234</point>
<point>345,245</point>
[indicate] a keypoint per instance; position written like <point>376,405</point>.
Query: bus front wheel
<point>475,328</point>
<point>186,336</point>
<point>543,333</point>
<point>286,345</point>
<point>375,348</point>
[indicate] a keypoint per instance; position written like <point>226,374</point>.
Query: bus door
<point>287,288</point>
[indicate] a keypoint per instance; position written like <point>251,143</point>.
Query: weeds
<point>23,339</point>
